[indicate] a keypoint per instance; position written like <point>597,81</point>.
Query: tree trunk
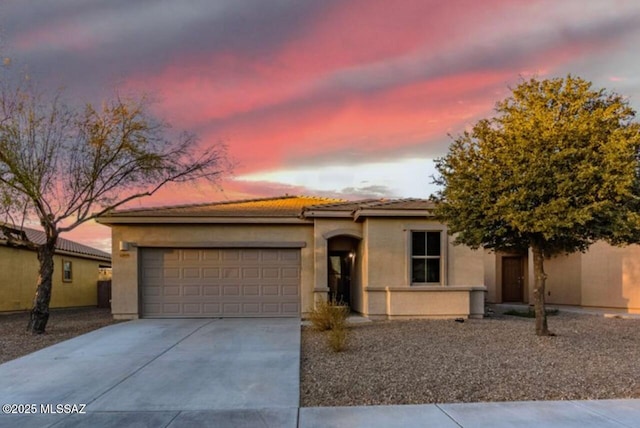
<point>40,310</point>
<point>538,292</point>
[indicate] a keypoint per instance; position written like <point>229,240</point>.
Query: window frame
<point>442,257</point>
<point>64,270</point>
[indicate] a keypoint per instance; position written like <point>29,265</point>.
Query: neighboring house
<point>75,276</point>
<point>603,277</point>
<point>277,256</point>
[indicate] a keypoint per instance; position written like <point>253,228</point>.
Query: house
<point>603,277</point>
<point>277,256</point>
<point>76,271</point>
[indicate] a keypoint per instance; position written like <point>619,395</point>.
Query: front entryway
<point>512,279</point>
<point>340,264</point>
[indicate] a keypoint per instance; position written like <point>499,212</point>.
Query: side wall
<point>605,276</point>
<point>19,273</point>
<point>563,279</point>
<point>611,277</point>
<point>125,304</point>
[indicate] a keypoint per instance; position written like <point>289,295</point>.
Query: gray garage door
<point>220,282</point>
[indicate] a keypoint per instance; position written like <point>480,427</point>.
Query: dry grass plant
<point>328,315</point>
<point>331,316</point>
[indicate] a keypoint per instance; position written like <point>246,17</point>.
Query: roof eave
<point>391,213</point>
<point>199,220</point>
<point>326,214</point>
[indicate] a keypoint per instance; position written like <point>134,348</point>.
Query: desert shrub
<point>329,315</point>
<point>337,338</point>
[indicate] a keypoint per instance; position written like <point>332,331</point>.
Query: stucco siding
<point>611,276</point>
<point>387,252</point>
<point>490,261</point>
<point>563,279</point>
<point>19,274</point>
<point>125,264</point>
<point>465,266</point>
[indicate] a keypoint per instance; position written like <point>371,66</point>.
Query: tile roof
<point>283,206</point>
<point>39,237</point>
<point>348,206</point>
<point>375,204</point>
<point>399,204</point>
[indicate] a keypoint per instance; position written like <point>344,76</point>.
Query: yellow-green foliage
<point>555,171</point>
<point>337,338</point>
<point>329,315</point>
<point>556,168</point>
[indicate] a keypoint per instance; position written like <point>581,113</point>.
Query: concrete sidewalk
<point>553,414</point>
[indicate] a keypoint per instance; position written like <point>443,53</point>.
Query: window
<point>425,257</point>
<point>67,271</point>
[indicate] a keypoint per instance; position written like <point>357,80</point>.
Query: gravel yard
<point>63,324</point>
<point>495,359</point>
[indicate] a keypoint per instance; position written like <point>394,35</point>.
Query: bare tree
<point>66,165</point>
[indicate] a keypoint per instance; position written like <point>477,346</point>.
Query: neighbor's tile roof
<point>39,237</point>
<point>284,206</point>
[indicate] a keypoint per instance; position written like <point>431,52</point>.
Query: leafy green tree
<point>65,165</point>
<point>554,171</point>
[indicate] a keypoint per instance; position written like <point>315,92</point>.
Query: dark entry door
<point>512,279</point>
<point>340,276</point>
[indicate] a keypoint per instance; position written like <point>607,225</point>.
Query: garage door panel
<point>220,282</point>
<point>211,290</point>
<point>250,255</point>
<point>289,290</point>
<point>290,273</point>
<point>290,256</point>
<point>230,272</point>
<point>211,273</point>
<point>251,290</point>
<point>190,255</point>
<point>270,290</point>
<point>211,308</point>
<point>251,273</point>
<point>192,290</point>
<point>231,290</point>
<point>231,255</point>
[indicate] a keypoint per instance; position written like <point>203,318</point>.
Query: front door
<point>512,279</point>
<point>340,277</point>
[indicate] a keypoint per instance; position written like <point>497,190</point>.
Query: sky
<point>341,98</point>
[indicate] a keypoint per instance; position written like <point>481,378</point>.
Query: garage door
<point>220,282</point>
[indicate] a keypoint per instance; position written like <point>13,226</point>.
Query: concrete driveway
<point>159,373</point>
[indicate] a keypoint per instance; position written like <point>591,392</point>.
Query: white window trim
<point>444,241</point>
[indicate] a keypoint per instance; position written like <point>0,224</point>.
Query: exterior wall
<point>563,279</point>
<point>388,259</point>
<point>125,294</point>
<point>611,277</point>
<point>386,276</point>
<point>605,276</point>
<point>426,302</point>
<point>19,273</point>
<point>494,293</point>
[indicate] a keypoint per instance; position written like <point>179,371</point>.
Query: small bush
<point>337,338</point>
<point>530,313</point>
<point>329,315</point>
